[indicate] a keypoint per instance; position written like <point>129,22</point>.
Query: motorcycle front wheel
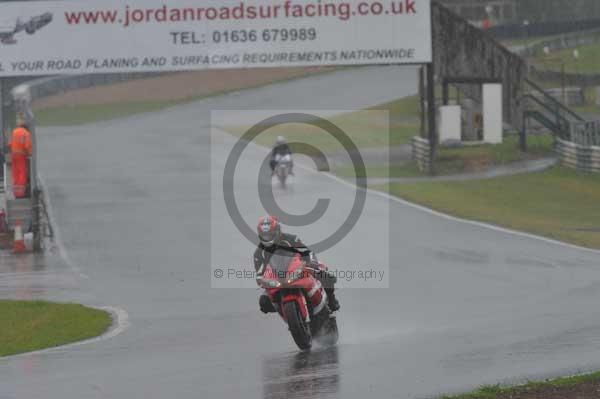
<point>299,329</point>
<point>282,178</point>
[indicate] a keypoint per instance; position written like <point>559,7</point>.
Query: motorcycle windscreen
<point>280,262</point>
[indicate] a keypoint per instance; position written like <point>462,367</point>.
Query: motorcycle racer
<point>271,239</point>
<point>280,150</point>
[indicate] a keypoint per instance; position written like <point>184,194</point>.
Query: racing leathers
<point>279,151</point>
<point>292,243</point>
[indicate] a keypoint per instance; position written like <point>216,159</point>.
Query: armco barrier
<point>421,152</point>
<point>45,87</point>
<point>580,157</point>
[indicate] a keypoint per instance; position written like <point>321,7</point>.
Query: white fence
<point>580,157</point>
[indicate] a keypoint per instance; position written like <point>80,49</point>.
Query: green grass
<point>366,128</point>
<point>481,157</point>
<point>464,159</point>
<point>559,203</point>
<point>588,61</point>
<point>33,325</point>
<point>407,107</point>
<point>590,106</point>
<point>498,392</point>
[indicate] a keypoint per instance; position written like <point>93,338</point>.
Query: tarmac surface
<point>132,201</point>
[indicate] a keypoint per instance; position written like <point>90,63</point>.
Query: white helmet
<point>280,140</point>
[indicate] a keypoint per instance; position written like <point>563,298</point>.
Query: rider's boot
<point>333,303</point>
<point>266,306</point>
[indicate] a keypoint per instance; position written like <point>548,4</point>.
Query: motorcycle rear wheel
<point>298,327</point>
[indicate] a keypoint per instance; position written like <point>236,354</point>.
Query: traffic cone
<point>19,242</point>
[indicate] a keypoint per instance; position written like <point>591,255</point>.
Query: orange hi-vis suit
<point>20,149</point>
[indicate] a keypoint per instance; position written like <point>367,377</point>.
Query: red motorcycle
<point>300,299</point>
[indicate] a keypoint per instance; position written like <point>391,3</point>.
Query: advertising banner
<point>67,37</point>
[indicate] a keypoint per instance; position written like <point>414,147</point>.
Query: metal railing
<point>577,141</point>
<point>550,103</point>
<point>586,133</point>
<point>547,111</point>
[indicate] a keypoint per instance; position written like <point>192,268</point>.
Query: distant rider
<point>272,239</point>
<point>281,149</point>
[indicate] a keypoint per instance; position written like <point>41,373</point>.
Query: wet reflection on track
<point>307,375</point>
<point>34,276</point>
<point>19,276</point>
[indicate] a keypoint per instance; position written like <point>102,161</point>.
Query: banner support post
<point>431,122</point>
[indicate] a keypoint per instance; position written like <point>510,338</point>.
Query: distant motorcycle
<point>283,168</point>
<point>299,299</point>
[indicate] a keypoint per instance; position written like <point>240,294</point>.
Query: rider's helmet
<point>269,230</point>
<point>280,140</point>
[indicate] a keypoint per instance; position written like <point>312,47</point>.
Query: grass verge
<point>481,157</point>
<point>559,203</point>
<point>34,325</point>
<point>587,62</point>
<point>365,128</point>
<point>590,106</point>
<point>81,114</point>
<point>465,159</point>
<point>578,387</point>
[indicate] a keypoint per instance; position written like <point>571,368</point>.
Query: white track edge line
<point>461,220</point>
<point>432,211</point>
<point>57,236</point>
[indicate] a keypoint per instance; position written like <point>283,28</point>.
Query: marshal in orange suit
<point>20,150</point>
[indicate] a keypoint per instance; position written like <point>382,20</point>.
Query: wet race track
<point>132,198</point>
